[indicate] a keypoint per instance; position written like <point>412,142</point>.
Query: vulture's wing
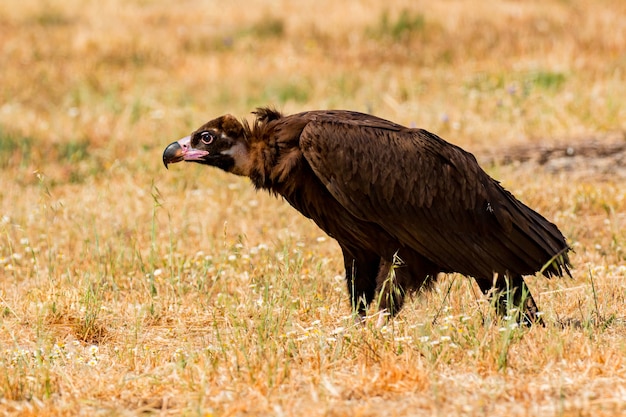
<point>431,195</point>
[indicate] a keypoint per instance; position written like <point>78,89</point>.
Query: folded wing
<point>432,196</point>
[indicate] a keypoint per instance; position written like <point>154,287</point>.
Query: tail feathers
<point>535,240</point>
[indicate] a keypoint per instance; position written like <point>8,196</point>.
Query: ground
<point>127,289</point>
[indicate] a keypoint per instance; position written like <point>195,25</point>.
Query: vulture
<point>403,204</point>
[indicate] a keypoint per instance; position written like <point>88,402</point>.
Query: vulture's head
<point>221,143</point>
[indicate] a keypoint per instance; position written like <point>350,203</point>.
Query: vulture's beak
<point>181,150</point>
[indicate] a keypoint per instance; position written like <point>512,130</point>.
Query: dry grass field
<point>126,289</point>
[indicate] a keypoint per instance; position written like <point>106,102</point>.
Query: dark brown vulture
<point>392,197</point>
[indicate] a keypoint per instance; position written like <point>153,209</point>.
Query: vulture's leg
<point>408,271</point>
<point>361,270</point>
<point>512,292</point>
<point>390,289</point>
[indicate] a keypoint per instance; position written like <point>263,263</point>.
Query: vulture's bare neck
<point>240,153</point>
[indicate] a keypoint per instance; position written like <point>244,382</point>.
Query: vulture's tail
<point>538,243</point>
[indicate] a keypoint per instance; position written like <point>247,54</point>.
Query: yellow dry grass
<point>126,289</point>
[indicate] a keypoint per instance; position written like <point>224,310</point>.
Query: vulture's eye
<point>206,138</point>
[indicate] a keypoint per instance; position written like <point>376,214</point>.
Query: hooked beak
<point>181,150</point>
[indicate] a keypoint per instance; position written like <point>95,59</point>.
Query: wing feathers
<point>431,195</point>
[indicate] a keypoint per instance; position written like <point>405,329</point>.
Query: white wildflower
<point>338,330</point>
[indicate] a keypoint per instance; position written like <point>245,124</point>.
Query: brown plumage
<point>403,203</point>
